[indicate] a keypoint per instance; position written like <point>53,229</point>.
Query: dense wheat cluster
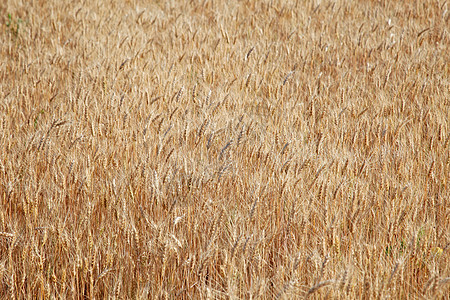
<point>224,149</point>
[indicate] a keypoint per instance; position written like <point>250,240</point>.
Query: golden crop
<point>224,149</point>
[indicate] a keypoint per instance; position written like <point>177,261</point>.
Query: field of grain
<point>224,149</point>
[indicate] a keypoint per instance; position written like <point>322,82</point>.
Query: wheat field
<point>224,149</point>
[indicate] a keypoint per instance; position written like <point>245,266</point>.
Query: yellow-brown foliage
<point>224,149</point>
